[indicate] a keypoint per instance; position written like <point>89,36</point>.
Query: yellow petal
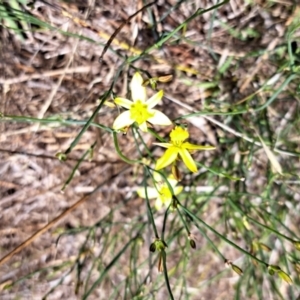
<point>123,102</point>
<point>188,160</point>
<point>169,156</point>
<point>190,146</point>
<point>151,192</point>
<point>138,91</point>
<point>159,118</point>
<point>155,99</point>
<point>123,120</point>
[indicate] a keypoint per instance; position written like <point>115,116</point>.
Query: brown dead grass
<point>54,75</point>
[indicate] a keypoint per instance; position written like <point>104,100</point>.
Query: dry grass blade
<point>244,192</point>
<point>275,165</point>
<point>53,222</point>
<point>26,243</point>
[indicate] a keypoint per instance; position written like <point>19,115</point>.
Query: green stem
<point>183,221</point>
<point>122,156</point>
<point>77,166</point>
<point>279,90</point>
<point>211,242</point>
<point>88,123</point>
<point>52,121</point>
<point>165,222</point>
<point>258,223</point>
<point>149,206</point>
<point>223,237</point>
<point>164,258</point>
<point>109,266</point>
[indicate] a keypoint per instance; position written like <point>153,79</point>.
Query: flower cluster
<point>140,112</point>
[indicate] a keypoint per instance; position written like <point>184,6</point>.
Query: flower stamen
<point>139,112</point>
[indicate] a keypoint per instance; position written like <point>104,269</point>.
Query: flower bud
<point>152,247</point>
<point>176,173</point>
<point>192,240</point>
<point>272,269</point>
<point>297,245</point>
<point>297,268</point>
<point>265,247</point>
<point>236,269</point>
<point>160,245</point>
<point>193,243</point>
<point>61,156</point>
<point>284,276</point>
<point>166,78</point>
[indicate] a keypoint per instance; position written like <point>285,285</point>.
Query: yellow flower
<point>140,109</point>
<point>162,193</point>
<point>179,146</point>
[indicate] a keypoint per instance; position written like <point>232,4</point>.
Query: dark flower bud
<point>152,247</point>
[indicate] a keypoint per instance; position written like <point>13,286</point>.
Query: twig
<point>25,77</point>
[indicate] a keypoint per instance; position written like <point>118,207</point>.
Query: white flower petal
<point>123,120</point>
<point>172,182</point>
<point>138,91</point>
<point>159,118</point>
<point>164,145</point>
<point>155,99</point>
<point>177,190</point>
<point>143,127</point>
<point>158,203</point>
<point>123,102</point>
<point>157,177</point>
<point>151,192</point>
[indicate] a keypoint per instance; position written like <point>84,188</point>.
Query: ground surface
<point>226,60</point>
